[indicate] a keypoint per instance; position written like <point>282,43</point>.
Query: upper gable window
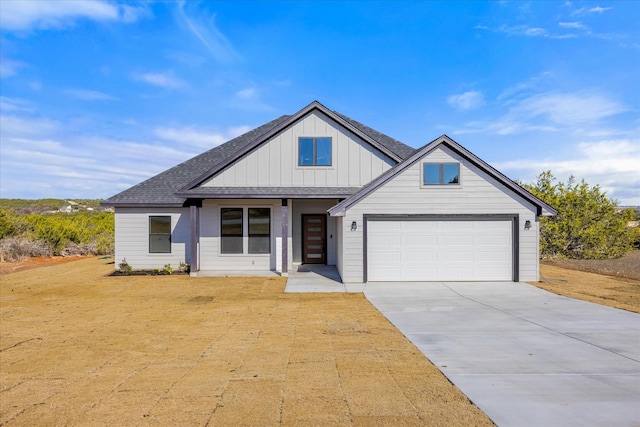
<point>314,152</point>
<point>440,173</point>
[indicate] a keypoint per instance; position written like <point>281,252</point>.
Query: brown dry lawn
<point>80,348</point>
<point>618,292</point>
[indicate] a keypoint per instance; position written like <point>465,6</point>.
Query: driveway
<point>525,356</point>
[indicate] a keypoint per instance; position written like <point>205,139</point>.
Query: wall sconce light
<point>527,225</point>
<point>354,226</point>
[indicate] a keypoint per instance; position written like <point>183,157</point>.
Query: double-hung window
<point>256,229</point>
<point>440,173</point>
<point>159,234</point>
<point>314,151</point>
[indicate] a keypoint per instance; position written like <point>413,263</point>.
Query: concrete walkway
<point>525,356</point>
<point>318,278</point>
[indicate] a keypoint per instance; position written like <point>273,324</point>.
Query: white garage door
<point>427,250</point>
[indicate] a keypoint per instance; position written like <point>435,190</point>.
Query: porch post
<point>285,237</point>
<point>193,221</point>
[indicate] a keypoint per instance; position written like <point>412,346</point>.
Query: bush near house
<point>589,225</point>
<point>79,233</point>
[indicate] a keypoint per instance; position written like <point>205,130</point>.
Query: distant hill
<point>31,206</point>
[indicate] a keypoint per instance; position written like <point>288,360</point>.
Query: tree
<point>588,225</point>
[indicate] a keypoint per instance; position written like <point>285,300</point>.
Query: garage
<point>431,248</point>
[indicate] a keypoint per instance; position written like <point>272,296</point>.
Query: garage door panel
<point>439,250</point>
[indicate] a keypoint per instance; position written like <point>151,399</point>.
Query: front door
<point>314,239</point>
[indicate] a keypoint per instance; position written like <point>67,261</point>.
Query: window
<point>160,234</point>
<point>231,230</point>
<point>314,152</point>
<point>440,173</point>
<point>259,230</point>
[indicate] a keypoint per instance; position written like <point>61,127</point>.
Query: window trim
<point>440,184</point>
<point>315,152</point>
<point>151,217</point>
<point>245,230</point>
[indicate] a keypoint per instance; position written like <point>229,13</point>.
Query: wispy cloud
<point>590,10</point>
<point>612,164</point>
<point>549,112</point>
<point>526,31</point>
<point>199,138</point>
<point>26,15</point>
<point>247,93</point>
<point>202,26</point>
<point>573,25</point>
<point>469,100</point>
<point>9,67</point>
<point>89,95</point>
<point>166,79</point>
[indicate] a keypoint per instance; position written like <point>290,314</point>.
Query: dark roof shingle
<point>162,189</point>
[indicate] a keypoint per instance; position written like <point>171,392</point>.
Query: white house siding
<point>320,206</point>
<point>132,237</point>
<point>210,257</point>
<point>477,193</point>
<point>275,163</point>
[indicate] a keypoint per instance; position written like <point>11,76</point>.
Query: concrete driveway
<point>525,356</point>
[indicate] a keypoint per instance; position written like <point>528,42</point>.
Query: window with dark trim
<point>440,173</point>
<point>231,231</point>
<point>159,234</point>
<point>314,151</point>
<point>259,230</point>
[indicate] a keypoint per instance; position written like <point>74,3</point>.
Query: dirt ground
<point>80,348</point>
<point>626,266</point>
<point>618,292</point>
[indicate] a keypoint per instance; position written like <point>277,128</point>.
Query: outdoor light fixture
<point>354,226</point>
<point>527,225</point>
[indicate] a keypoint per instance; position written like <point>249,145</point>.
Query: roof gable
<point>386,145</point>
<point>171,187</point>
<point>341,208</point>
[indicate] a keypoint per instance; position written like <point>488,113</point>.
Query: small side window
<point>159,234</point>
<point>440,173</point>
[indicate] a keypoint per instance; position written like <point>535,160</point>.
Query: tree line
<point>52,234</point>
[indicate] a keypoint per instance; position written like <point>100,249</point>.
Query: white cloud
<point>248,93</point>
<point>466,101</point>
<point>166,80</point>
<point>588,10</point>
<point>549,112</point>
<point>199,138</point>
<point>203,28</point>
<point>37,14</point>
<point>611,164</point>
<point>568,108</point>
<point>89,95</point>
<point>573,25</point>
<point>9,67</point>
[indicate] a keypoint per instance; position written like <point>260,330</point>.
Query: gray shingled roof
<point>162,189</point>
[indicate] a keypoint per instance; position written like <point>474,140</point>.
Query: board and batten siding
<point>478,193</point>
<point>354,162</point>
<point>132,238</point>
<point>210,257</point>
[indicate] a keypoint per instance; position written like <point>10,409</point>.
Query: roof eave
<point>315,105</point>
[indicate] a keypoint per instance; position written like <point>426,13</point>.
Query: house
<point>319,187</point>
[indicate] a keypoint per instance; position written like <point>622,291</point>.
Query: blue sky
<point>97,96</point>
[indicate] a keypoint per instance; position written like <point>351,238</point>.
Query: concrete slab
<point>314,278</point>
<point>525,356</point>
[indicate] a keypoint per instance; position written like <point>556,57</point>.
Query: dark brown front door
<point>314,236</point>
